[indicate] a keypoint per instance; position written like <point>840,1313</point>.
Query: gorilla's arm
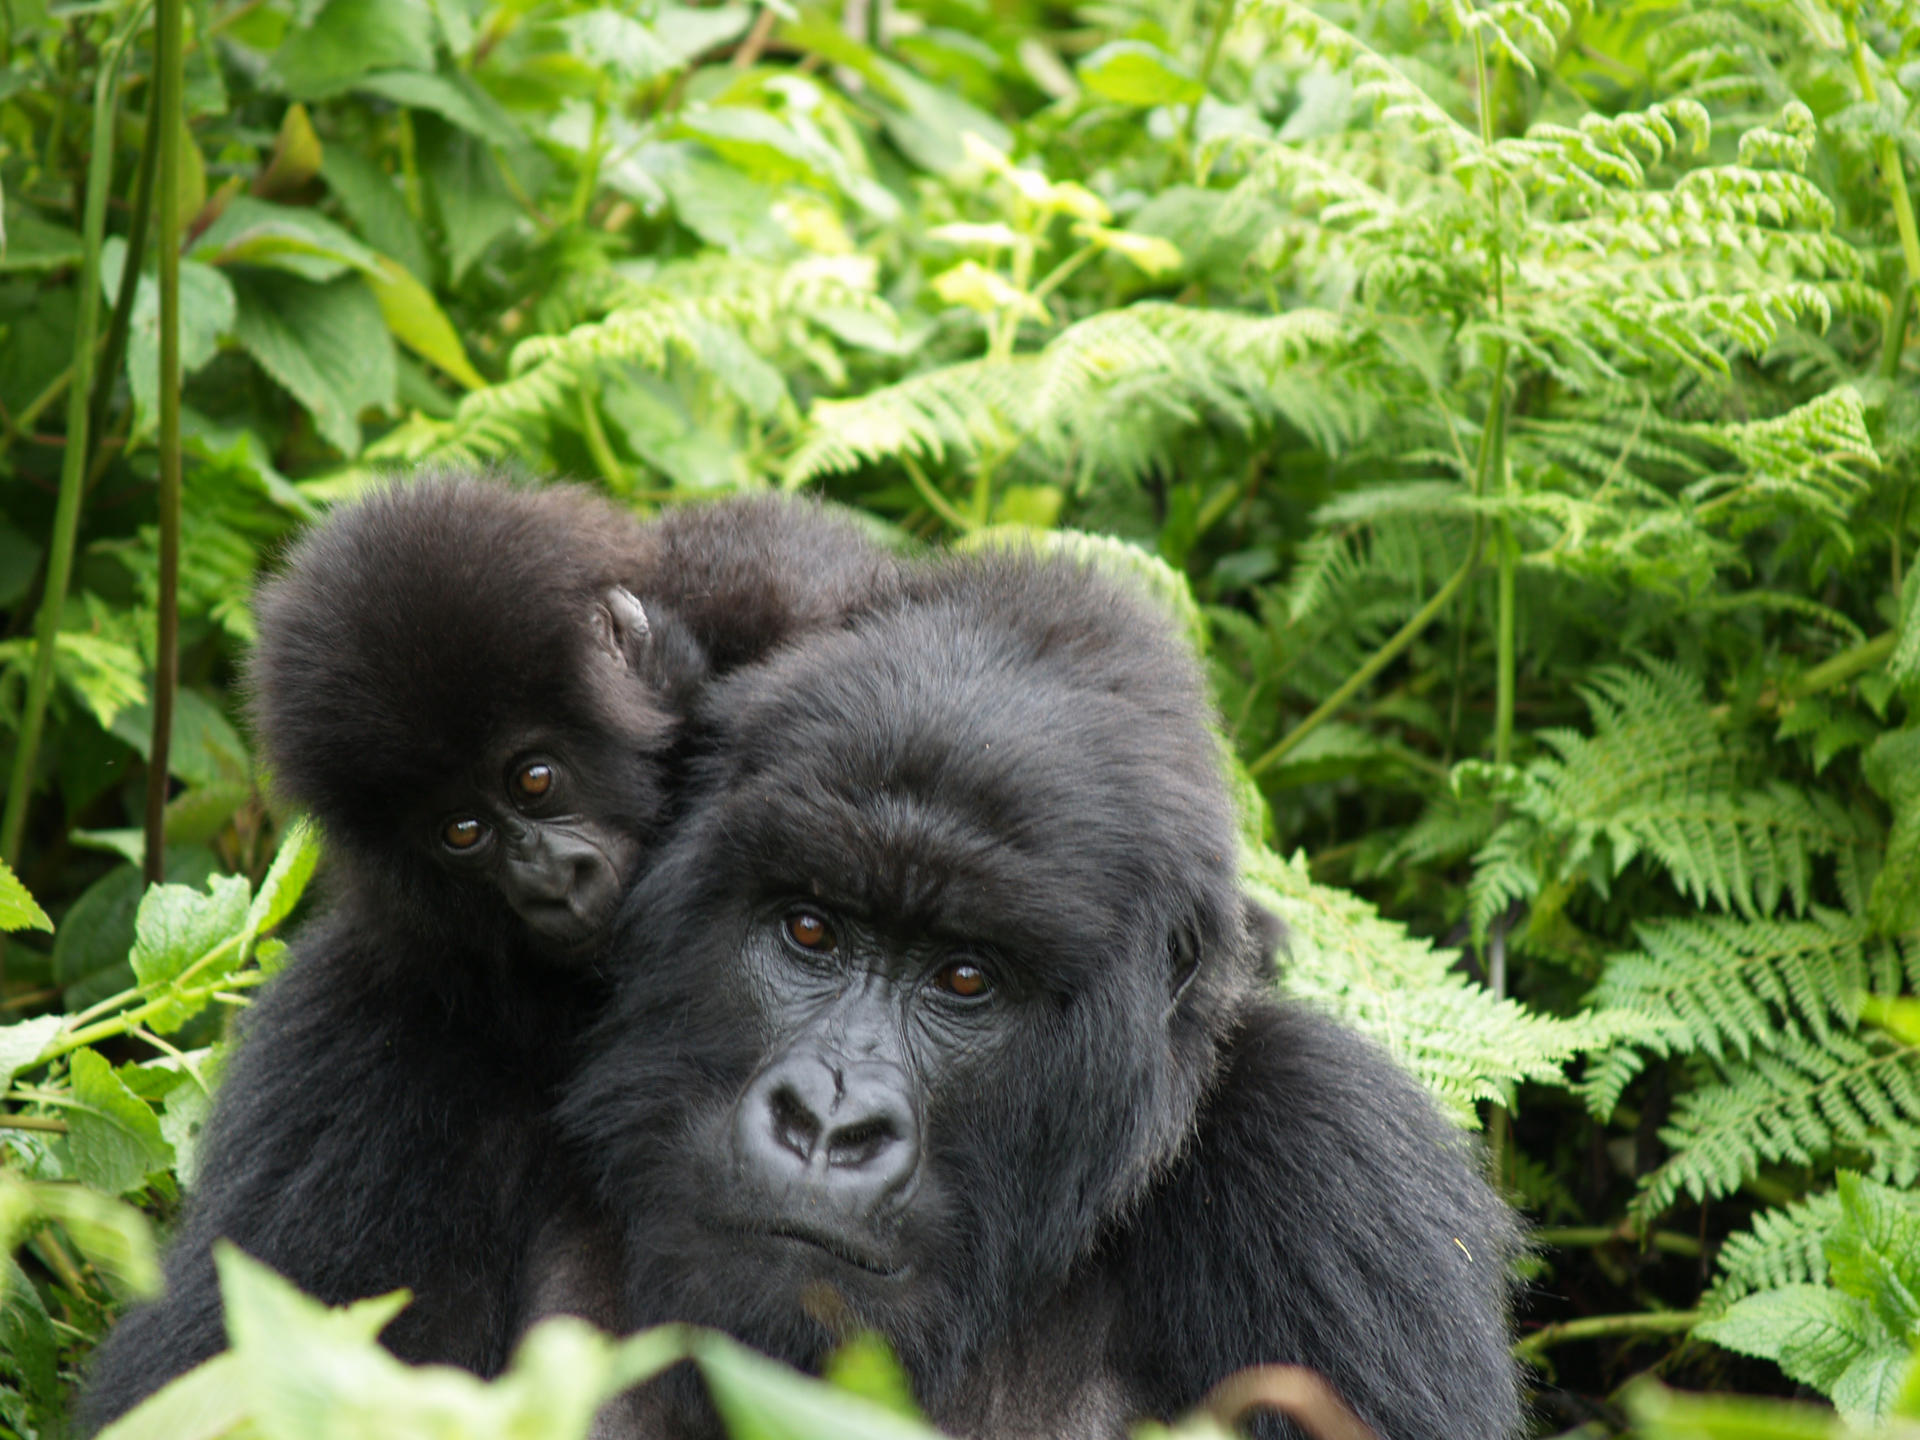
<point>1324,1214</point>
<point>372,1133</point>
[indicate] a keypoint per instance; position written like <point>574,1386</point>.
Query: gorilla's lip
<point>835,1245</point>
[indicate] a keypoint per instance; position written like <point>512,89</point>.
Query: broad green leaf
<point>1892,767</point>
<point>326,344</point>
<point>469,199</point>
<point>113,1134</point>
<point>90,947</point>
<point>205,748</point>
<point>931,120</point>
<point>204,1404</point>
<point>418,322</point>
<point>36,244</point>
<point>724,207</point>
<point>177,926</point>
<point>755,141</point>
<point>454,99</point>
<point>761,1399</point>
<point>1811,1332</point>
<point>311,1373</point>
<point>689,31</point>
<point>206,314</point>
<point>328,48</point>
<point>1871,1385</point>
<point>22,1042</point>
<point>756,384</point>
<point>626,48</point>
<point>1132,72</point>
<point>29,1351</point>
<point>982,290</point>
<point>18,909</point>
<point>299,241</point>
<point>1663,1414</point>
<point>373,201</point>
<point>183,1116</point>
<point>1874,1254</point>
<point>285,882</point>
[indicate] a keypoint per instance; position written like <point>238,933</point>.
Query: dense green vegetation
<point>1519,393</point>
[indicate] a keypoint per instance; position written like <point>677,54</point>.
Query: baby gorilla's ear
<point>620,626</point>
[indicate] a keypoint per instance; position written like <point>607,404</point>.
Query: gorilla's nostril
<point>852,1146</point>
<point>794,1125</point>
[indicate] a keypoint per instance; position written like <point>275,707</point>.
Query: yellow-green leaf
<point>418,322</point>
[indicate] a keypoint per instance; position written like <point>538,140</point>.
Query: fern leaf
<point>1796,1104</point>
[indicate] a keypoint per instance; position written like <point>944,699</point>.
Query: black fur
<point>1125,1171</point>
<point>383,1123</point>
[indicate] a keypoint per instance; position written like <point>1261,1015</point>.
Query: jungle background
<point>1514,399</point>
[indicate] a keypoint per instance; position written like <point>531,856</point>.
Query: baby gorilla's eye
<point>969,982</point>
<point>534,779</point>
<point>809,931</point>
<point>462,834</point>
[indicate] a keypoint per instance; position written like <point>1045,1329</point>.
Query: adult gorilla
<point>946,1018</point>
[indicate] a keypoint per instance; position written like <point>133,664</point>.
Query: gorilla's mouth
<point>837,1247</point>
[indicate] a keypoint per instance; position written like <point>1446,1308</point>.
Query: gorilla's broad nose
<point>816,1127</point>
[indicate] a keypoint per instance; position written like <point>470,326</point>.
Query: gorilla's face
<point>919,995</point>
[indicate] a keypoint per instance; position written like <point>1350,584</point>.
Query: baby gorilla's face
<point>524,821</point>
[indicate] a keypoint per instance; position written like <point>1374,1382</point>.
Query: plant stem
<point>1568,1237</point>
<point>936,502</point>
<point>170,115</point>
<point>1222,22</point>
<point>1886,149</point>
<point>1847,664</point>
<point>1375,663</point>
<point>1598,1327</point>
<point>33,1122</point>
<point>121,325</point>
<point>73,463</point>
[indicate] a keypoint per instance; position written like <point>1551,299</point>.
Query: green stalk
<point>1886,150</point>
<point>1222,22</point>
<point>122,324</point>
<point>170,115</point>
<point>73,466</point>
<point>1600,1327</point>
<point>1375,663</point>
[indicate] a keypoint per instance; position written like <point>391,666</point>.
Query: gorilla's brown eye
<point>534,780</point>
<point>966,981</point>
<point>809,931</point>
<point>462,834</point>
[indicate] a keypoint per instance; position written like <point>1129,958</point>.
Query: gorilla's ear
<point>1183,962</point>
<point>620,626</point>
<point>1266,933</point>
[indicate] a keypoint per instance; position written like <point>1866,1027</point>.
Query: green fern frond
<point>1727,987</point>
<point>1657,777</point>
<point>1809,459</point>
<point>1784,1247</point>
<point>1464,1043</point>
<point>1795,1104</point>
<point>1152,354</point>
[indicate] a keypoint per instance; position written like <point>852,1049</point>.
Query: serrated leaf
<point>1132,72</point>
<point>1874,1254</point>
<point>177,926</point>
<point>113,1134</point>
<point>18,909</point>
<point>1811,1332</point>
<point>1867,1392</point>
<point>22,1042</point>
<point>344,39</point>
<point>285,882</point>
<point>29,1351</point>
<point>207,309</point>
<point>327,345</point>
<point>454,99</point>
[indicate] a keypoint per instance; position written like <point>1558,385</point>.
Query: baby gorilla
<point>477,691</point>
<point>943,1015</point>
